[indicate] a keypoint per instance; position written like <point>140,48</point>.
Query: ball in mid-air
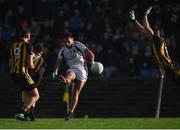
<point>97,68</point>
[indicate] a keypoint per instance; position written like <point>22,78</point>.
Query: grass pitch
<point>93,123</point>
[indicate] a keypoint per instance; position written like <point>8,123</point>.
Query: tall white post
<point>158,108</point>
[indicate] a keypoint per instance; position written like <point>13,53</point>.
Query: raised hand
<point>132,15</point>
<point>148,10</point>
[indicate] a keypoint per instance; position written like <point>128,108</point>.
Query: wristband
<point>92,62</point>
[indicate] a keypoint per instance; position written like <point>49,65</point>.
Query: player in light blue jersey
<point>75,55</point>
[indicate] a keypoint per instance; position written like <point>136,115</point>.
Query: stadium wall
<point>99,98</point>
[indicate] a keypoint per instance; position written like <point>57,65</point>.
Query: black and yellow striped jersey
<point>19,52</point>
<point>161,55</point>
<point>38,62</point>
<point>160,52</point>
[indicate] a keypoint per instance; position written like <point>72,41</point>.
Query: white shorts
<point>81,73</point>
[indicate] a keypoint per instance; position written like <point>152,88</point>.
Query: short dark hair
<point>68,35</point>
<point>24,32</point>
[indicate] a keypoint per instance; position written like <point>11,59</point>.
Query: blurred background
<point>130,82</point>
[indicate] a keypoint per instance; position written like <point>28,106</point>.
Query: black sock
<point>32,114</point>
<point>70,113</point>
<point>32,109</point>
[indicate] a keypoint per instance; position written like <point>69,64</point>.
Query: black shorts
<point>24,82</point>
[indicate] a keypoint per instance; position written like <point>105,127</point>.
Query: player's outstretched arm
<point>146,21</point>
<point>133,18</point>
<point>138,25</point>
<point>90,55</point>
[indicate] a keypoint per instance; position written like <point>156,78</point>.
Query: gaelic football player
<point>75,55</point>
<point>159,46</point>
<point>21,59</point>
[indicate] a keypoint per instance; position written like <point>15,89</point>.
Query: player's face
<point>28,37</point>
<point>69,41</point>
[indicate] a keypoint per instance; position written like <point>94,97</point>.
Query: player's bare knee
<point>70,75</point>
<point>35,94</point>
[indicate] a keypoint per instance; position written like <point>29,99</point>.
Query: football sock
<point>31,114</point>
<point>24,109</point>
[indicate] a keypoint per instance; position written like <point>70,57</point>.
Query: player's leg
<point>31,115</point>
<point>78,87</point>
<point>70,76</point>
<point>30,96</point>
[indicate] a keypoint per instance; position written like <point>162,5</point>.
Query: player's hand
<point>54,75</point>
<point>132,15</point>
<point>91,62</point>
<point>148,10</point>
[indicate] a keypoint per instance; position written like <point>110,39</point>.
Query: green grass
<point>93,123</point>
